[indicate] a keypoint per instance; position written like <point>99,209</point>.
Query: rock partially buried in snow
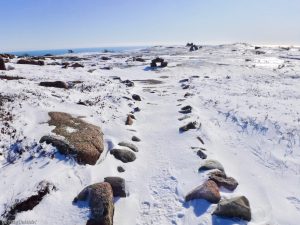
<point>189,126</point>
<point>100,200</point>
<point>201,154</point>
<point>129,145</point>
<point>221,179</point>
<point>237,207</point>
<point>129,120</point>
<point>86,140</point>
<point>210,165</point>
<point>124,155</point>
<point>136,97</point>
<point>135,138</point>
<point>56,84</point>
<point>118,186</point>
<point>120,169</point>
<point>208,191</point>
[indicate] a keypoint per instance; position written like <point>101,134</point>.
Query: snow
<point>249,115</point>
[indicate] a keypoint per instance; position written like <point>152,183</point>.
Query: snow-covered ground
<point>248,105</point>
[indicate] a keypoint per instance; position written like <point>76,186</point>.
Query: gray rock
<point>120,169</point>
<point>210,165</point>
<point>237,207</point>
<point>118,186</point>
<point>100,200</point>
<point>201,154</point>
<point>129,145</point>
<point>135,138</point>
<point>136,97</point>
<point>189,126</point>
<point>208,191</point>
<point>124,155</point>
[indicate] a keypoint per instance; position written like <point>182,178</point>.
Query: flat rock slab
<point>118,186</point>
<point>129,145</point>
<point>100,201</point>
<point>85,140</point>
<point>237,207</point>
<point>208,191</point>
<point>211,165</point>
<point>124,155</point>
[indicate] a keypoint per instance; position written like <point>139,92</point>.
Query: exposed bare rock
<point>56,84</point>
<point>129,145</point>
<point>221,179</point>
<point>210,165</point>
<point>31,62</point>
<point>2,64</point>
<point>86,140</point>
<point>208,191</point>
<point>124,155</point>
<point>237,207</point>
<point>118,186</point>
<point>100,200</point>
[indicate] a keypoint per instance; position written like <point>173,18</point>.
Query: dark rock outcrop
<point>160,61</point>
<point>31,62</point>
<point>136,97</point>
<point>189,126</point>
<point>135,138</point>
<point>2,64</point>
<point>56,84</point>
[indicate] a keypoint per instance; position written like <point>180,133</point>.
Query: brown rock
<point>208,191</point>
<point>86,139</point>
<point>129,120</point>
<point>31,62</point>
<point>100,200</point>
<point>118,186</point>
<point>222,180</point>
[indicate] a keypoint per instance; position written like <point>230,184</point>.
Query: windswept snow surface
<point>248,105</point>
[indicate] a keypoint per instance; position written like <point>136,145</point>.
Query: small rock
<point>201,154</point>
<point>105,58</point>
<point>221,179</point>
<point>186,109</point>
<point>191,125</point>
<point>118,186</point>
<point>208,191</point>
<point>128,83</point>
<point>210,165</point>
<point>135,138</point>
<point>129,120</point>
<point>183,80</point>
<point>237,207</point>
<point>120,169</point>
<point>129,145</point>
<point>136,109</point>
<point>77,65</point>
<point>136,97</point>
<point>124,155</point>
<point>31,62</point>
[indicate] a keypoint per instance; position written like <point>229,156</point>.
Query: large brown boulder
<point>86,140</point>
<point>237,207</point>
<point>2,64</point>
<point>208,191</point>
<point>100,200</point>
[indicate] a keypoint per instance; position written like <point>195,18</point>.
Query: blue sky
<point>54,24</point>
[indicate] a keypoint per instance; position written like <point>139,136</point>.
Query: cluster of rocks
<point>192,47</point>
<point>216,178</point>
<point>158,61</point>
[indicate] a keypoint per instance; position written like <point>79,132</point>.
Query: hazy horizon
<point>51,24</point>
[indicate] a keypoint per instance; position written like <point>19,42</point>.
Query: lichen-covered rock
<point>237,207</point>
<point>85,140</point>
<point>100,200</point>
<point>208,191</point>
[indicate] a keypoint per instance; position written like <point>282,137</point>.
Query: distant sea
<point>76,50</point>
